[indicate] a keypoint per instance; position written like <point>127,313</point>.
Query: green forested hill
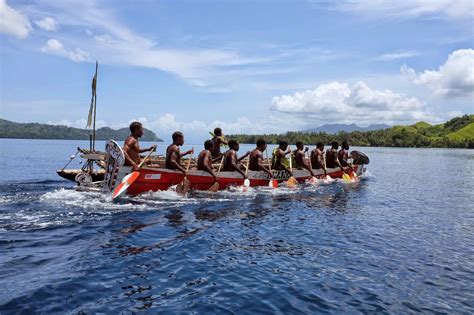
<point>9,129</point>
<point>455,133</point>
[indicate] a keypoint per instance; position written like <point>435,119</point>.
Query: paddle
<point>313,179</point>
<point>215,187</point>
<point>247,181</point>
<point>291,182</point>
<point>183,187</point>
<point>272,183</point>
<point>129,179</point>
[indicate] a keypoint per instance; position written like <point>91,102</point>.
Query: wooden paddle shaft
<point>220,165</point>
<point>146,158</point>
<point>189,161</point>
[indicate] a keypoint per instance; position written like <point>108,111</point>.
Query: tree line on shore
<point>455,133</point>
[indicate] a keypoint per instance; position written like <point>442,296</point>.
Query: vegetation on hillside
<point>9,129</point>
<point>455,133</point>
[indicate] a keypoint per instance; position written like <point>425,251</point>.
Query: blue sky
<point>247,66</point>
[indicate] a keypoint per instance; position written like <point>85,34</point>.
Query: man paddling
<point>131,147</point>
<point>317,158</point>
<point>231,161</point>
<point>256,158</point>
<point>279,162</point>
<point>343,154</point>
<point>331,156</point>
<point>300,158</point>
<point>218,140</point>
<point>205,159</point>
<point>173,156</point>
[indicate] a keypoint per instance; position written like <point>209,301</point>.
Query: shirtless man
<point>280,155</point>
<point>256,158</point>
<point>205,160</point>
<point>173,156</point>
<point>218,140</point>
<point>131,147</point>
<point>317,158</point>
<point>231,160</point>
<point>343,154</point>
<point>331,156</point>
<point>300,158</point>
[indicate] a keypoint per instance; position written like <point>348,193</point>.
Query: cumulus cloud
<point>55,47</point>
<point>47,24</point>
<point>13,22</point>
<point>343,103</point>
<point>452,9</point>
<point>454,78</point>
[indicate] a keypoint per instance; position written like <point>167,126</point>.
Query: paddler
<point>300,158</point>
<point>173,156</point>
<point>204,162</point>
<point>343,154</point>
<point>331,156</point>
<point>231,161</point>
<point>256,158</point>
<point>218,140</point>
<point>317,158</point>
<point>131,147</point>
<point>279,157</point>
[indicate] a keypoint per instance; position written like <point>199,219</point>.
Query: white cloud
<point>112,42</point>
<point>47,24</point>
<point>166,124</point>
<point>55,47</point>
<point>401,54</point>
<point>343,103</point>
<point>452,9</point>
<point>454,78</point>
<point>13,22</point>
<point>80,123</point>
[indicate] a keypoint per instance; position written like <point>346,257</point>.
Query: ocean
<point>399,241</point>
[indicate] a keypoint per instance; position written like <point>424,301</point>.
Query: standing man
<point>218,140</point>
<point>231,161</point>
<point>300,158</point>
<point>280,161</point>
<point>317,158</point>
<point>256,158</point>
<point>205,160</point>
<point>331,156</point>
<point>131,147</point>
<point>173,156</point>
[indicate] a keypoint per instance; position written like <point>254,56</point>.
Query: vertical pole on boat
<point>92,109</point>
<point>94,91</point>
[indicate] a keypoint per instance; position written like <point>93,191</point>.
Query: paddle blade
<point>247,182</point>
<point>291,182</point>
<point>354,175</point>
<point>346,177</point>
<point>126,182</point>
<point>183,187</point>
<point>273,183</point>
<point>214,187</point>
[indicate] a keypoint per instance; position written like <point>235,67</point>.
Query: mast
<point>94,87</point>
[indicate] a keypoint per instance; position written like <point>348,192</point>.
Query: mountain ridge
<point>335,128</point>
<point>14,130</point>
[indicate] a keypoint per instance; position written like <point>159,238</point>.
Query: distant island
<point>455,133</point>
<point>10,129</point>
<point>335,128</point>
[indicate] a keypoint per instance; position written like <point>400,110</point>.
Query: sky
<point>245,66</point>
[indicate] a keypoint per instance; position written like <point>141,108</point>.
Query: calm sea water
<point>400,241</point>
